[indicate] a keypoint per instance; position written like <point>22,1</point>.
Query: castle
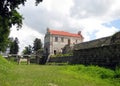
<point>55,40</point>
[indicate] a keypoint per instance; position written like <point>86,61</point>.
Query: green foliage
<point>4,64</point>
<point>27,50</point>
<point>61,55</point>
<point>9,13</point>
<point>117,72</point>
<point>14,47</point>
<point>9,16</point>
<point>4,33</point>
<point>5,70</point>
<point>39,75</point>
<point>40,52</point>
<point>93,71</point>
<point>37,44</point>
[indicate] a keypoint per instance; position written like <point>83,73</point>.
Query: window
<point>62,39</point>
<point>68,41</point>
<point>76,41</point>
<point>56,39</point>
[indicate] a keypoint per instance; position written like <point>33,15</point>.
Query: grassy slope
<point>45,75</point>
<point>5,70</point>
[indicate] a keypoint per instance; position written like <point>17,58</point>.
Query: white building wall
<point>52,45</point>
<point>59,44</point>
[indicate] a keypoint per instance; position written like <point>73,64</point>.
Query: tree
<point>14,47</point>
<point>4,44</point>
<point>27,50</point>
<point>37,44</point>
<point>10,16</point>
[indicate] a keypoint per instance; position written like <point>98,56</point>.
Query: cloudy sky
<point>95,18</point>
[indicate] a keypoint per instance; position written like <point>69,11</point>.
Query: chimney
<point>79,32</point>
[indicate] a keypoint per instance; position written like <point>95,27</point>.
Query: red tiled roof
<point>62,33</point>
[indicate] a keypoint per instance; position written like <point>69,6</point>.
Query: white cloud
<point>69,15</point>
<point>90,8</point>
<point>104,31</point>
<point>91,14</point>
<point>56,24</point>
<point>58,6</point>
<point>26,36</point>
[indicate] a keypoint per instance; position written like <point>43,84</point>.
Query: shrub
<point>61,55</point>
<point>93,71</point>
<point>117,72</point>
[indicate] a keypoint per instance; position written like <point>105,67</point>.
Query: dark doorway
<point>55,52</point>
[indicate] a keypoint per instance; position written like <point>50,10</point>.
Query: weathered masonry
<point>103,52</point>
<point>55,40</point>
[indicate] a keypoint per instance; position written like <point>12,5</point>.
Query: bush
<point>117,72</point>
<point>61,55</point>
<point>93,71</point>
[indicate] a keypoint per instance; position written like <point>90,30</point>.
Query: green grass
<point>54,75</point>
<point>5,68</point>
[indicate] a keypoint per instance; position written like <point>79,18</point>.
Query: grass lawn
<point>54,75</point>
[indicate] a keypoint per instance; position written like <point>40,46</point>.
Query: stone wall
<point>65,59</point>
<point>102,52</point>
<point>107,56</point>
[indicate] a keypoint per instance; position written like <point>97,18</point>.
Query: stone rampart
<point>64,59</point>
<point>107,56</point>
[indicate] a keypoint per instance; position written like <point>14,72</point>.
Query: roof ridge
<point>64,33</point>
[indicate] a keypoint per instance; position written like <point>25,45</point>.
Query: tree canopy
<point>27,50</point>
<point>37,44</point>
<point>14,47</point>
<point>10,16</point>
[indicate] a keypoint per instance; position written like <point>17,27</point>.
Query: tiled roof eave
<point>67,35</point>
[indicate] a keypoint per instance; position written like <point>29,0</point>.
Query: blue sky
<point>94,18</point>
<point>114,23</point>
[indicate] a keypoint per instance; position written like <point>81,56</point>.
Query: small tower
<point>79,32</point>
<point>48,29</point>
